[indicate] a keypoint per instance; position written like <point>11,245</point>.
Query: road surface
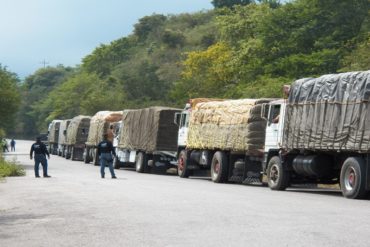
<point>75,207</point>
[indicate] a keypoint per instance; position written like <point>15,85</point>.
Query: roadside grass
<point>10,168</point>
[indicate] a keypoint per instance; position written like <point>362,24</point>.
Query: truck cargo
<point>100,124</point>
<point>62,137</point>
<point>53,135</point>
<point>77,132</point>
<point>225,137</point>
<point>148,139</point>
<point>322,134</point>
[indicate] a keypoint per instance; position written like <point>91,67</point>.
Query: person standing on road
<point>105,152</point>
<point>12,145</point>
<point>4,143</point>
<point>40,157</point>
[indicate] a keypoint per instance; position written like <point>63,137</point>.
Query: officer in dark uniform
<point>105,152</point>
<point>40,157</point>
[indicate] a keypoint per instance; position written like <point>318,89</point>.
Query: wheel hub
<point>274,174</point>
<point>350,179</point>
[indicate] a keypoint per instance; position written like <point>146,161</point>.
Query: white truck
<point>77,132</point>
<point>147,140</point>
<point>321,134</point>
<point>100,124</point>
<point>53,135</point>
<point>62,137</point>
<point>224,137</point>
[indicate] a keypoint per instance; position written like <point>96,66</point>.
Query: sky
<point>65,31</point>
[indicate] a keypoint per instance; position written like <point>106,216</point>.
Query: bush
<point>10,169</point>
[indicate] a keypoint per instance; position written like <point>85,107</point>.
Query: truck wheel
<point>116,163</point>
<point>277,176</point>
<point>353,178</point>
<point>183,165</point>
<point>140,162</point>
<point>219,167</point>
<point>86,156</point>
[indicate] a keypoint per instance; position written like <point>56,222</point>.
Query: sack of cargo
<point>150,129</point>
<point>234,125</point>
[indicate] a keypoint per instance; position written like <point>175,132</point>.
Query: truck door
<point>273,127</point>
<point>183,128</point>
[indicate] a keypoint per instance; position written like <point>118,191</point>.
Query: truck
<point>321,134</point>
<point>62,137</point>
<point>53,135</point>
<point>101,123</point>
<point>222,138</point>
<point>147,140</point>
<point>77,132</point>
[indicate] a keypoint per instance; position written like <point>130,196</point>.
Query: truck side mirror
<point>177,118</point>
<point>64,132</point>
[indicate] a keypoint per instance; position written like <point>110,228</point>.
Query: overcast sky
<point>64,31</point>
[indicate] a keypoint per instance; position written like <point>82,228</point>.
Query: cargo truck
<point>77,132</point>
<point>321,134</point>
<point>53,135</point>
<point>147,139</point>
<point>101,123</point>
<point>62,137</point>
<point>222,137</point>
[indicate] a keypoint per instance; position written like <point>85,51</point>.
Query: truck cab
<point>275,124</point>
<point>182,120</point>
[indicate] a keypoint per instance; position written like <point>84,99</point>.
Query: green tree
<point>9,99</point>
<point>34,90</point>
<point>230,3</point>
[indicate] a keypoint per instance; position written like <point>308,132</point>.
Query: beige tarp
<point>234,125</point>
<point>99,125</point>
<point>54,131</point>
<point>150,129</point>
<point>77,130</point>
<point>62,131</point>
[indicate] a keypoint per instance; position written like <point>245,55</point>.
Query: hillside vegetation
<point>236,51</point>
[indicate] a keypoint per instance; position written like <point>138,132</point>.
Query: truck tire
<point>86,156</point>
<point>277,177</point>
<point>353,178</point>
<point>140,162</point>
<point>219,167</point>
<point>73,154</point>
<point>183,164</point>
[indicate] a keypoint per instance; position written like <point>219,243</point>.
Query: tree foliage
<point>240,49</point>
<point>9,99</point>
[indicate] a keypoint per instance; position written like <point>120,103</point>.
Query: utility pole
<point>44,63</point>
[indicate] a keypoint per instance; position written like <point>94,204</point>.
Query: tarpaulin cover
<point>99,125</point>
<point>331,112</point>
<point>62,131</point>
<point>54,131</point>
<point>150,129</point>
<point>77,130</point>
<point>234,125</point>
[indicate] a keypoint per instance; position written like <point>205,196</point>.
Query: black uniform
<point>40,151</point>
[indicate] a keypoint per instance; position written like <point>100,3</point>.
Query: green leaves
<point>9,98</point>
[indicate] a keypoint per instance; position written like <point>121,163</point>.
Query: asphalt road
<point>75,207</point>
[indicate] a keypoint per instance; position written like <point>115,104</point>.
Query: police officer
<point>40,157</point>
<point>105,152</point>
